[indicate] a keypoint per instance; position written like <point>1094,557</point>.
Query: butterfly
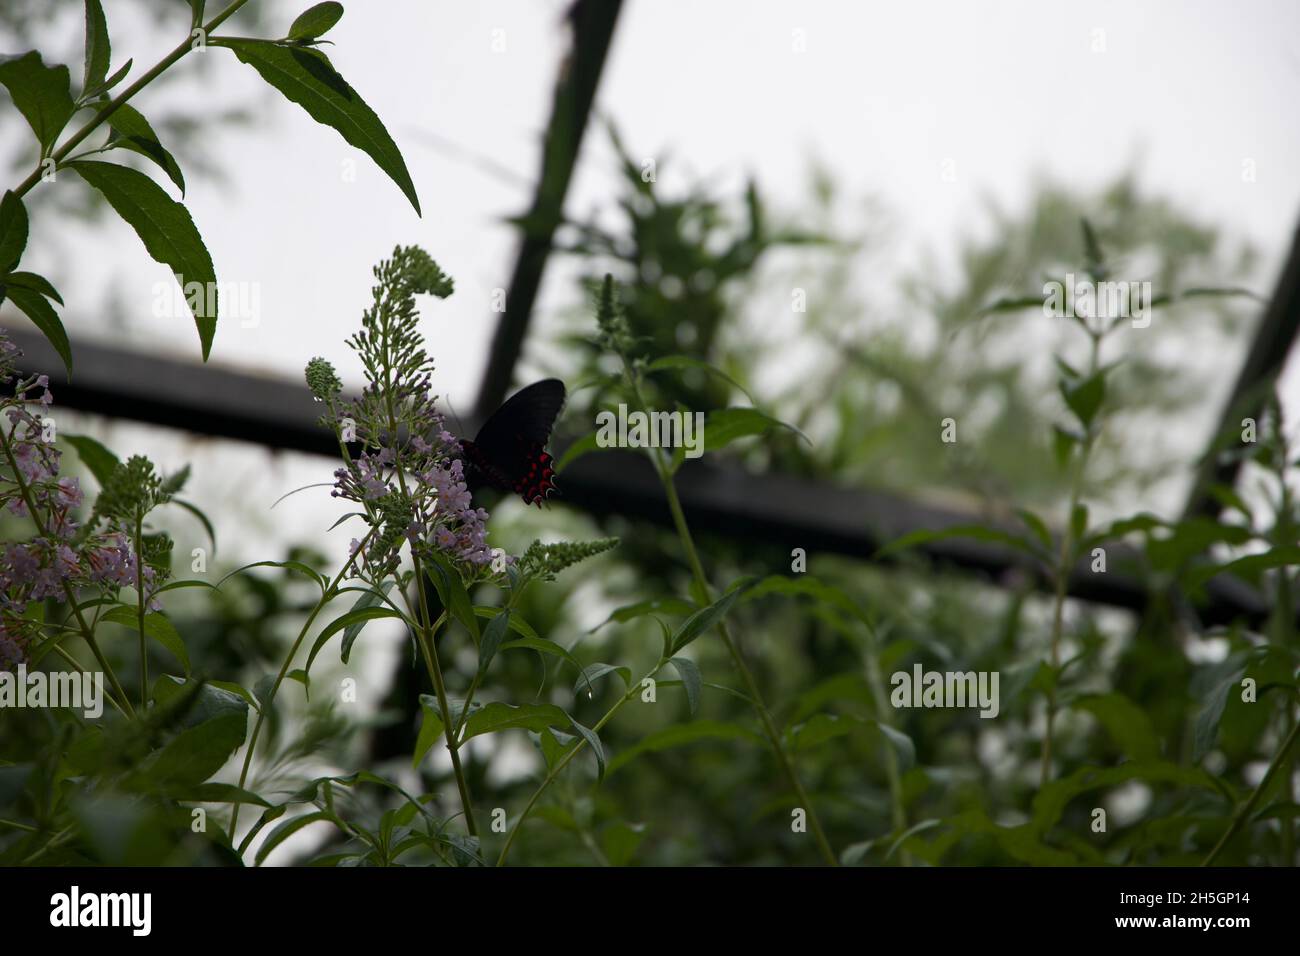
<point>509,451</point>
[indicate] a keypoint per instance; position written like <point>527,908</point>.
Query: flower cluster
<point>61,555</point>
<point>401,464</point>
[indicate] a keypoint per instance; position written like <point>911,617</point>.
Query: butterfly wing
<point>509,451</point>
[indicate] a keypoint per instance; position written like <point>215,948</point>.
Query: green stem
<point>326,596</point>
<point>425,640</point>
<point>746,676</point>
<point>103,114</point>
<point>564,761</point>
<point>1247,808</point>
<point>875,681</point>
<point>140,607</point>
<point>1064,565</point>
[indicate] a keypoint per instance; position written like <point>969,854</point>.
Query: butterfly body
<point>509,451</point>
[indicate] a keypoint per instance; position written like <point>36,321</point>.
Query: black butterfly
<point>509,451</point>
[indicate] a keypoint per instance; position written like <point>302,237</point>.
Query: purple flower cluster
<point>431,496</point>
<point>59,556</point>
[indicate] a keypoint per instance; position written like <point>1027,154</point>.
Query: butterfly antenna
<point>460,427</point>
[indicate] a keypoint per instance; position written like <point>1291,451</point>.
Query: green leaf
<point>364,610</point>
<point>493,635</point>
<point>287,829</point>
<point>203,519</point>
<point>217,793</point>
<point>1085,398</point>
<point>35,307</point>
<point>820,728</point>
<point>901,744</point>
<point>629,612</point>
<point>684,362</point>
<point>118,76</point>
<point>583,446</point>
<point>156,627</point>
<point>1037,526</point>
<point>1126,723</point>
<point>132,131</point>
<point>707,617</point>
<point>41,93</point>
<point>680,735</point>
<point>198,752</point>
<point>315,21</point>
<point>726,425</point>
<point>13,231</point>
<point>976,531</point>
<point>1063,444</point>
<point>1215,684</point>
<point>196,8</point>
<point>168,234</point>
<point>202,701</point>
<point>497,716</point>
<point>306,77</point>
<point>30,280</point>
<point>430,728</point>
<point>517,623</point>
<point>1249,567</point>
<point>692,682</point>
<point>98,50</point>
<point>593,741</point>
<point>94,456</point>
<point>543,646</point>
<point>451,591</point>
<point>594,672</point>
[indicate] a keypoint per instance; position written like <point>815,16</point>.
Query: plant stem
<point>326,596</point>
<point>877,684</point>
<point>564,761</point>
<point>425,640</point>
<point>1064,565</point>
<point>139,591</point>
<point>103,114</point>
<point>1247,808</point>
<point>746,676</point>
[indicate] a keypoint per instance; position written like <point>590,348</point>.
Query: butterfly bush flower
<point>63,555</point>
<point>400,463</point>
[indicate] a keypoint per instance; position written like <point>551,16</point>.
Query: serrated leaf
<point>41,93</point>
<point>306,77</point>
<point>168,234</point>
